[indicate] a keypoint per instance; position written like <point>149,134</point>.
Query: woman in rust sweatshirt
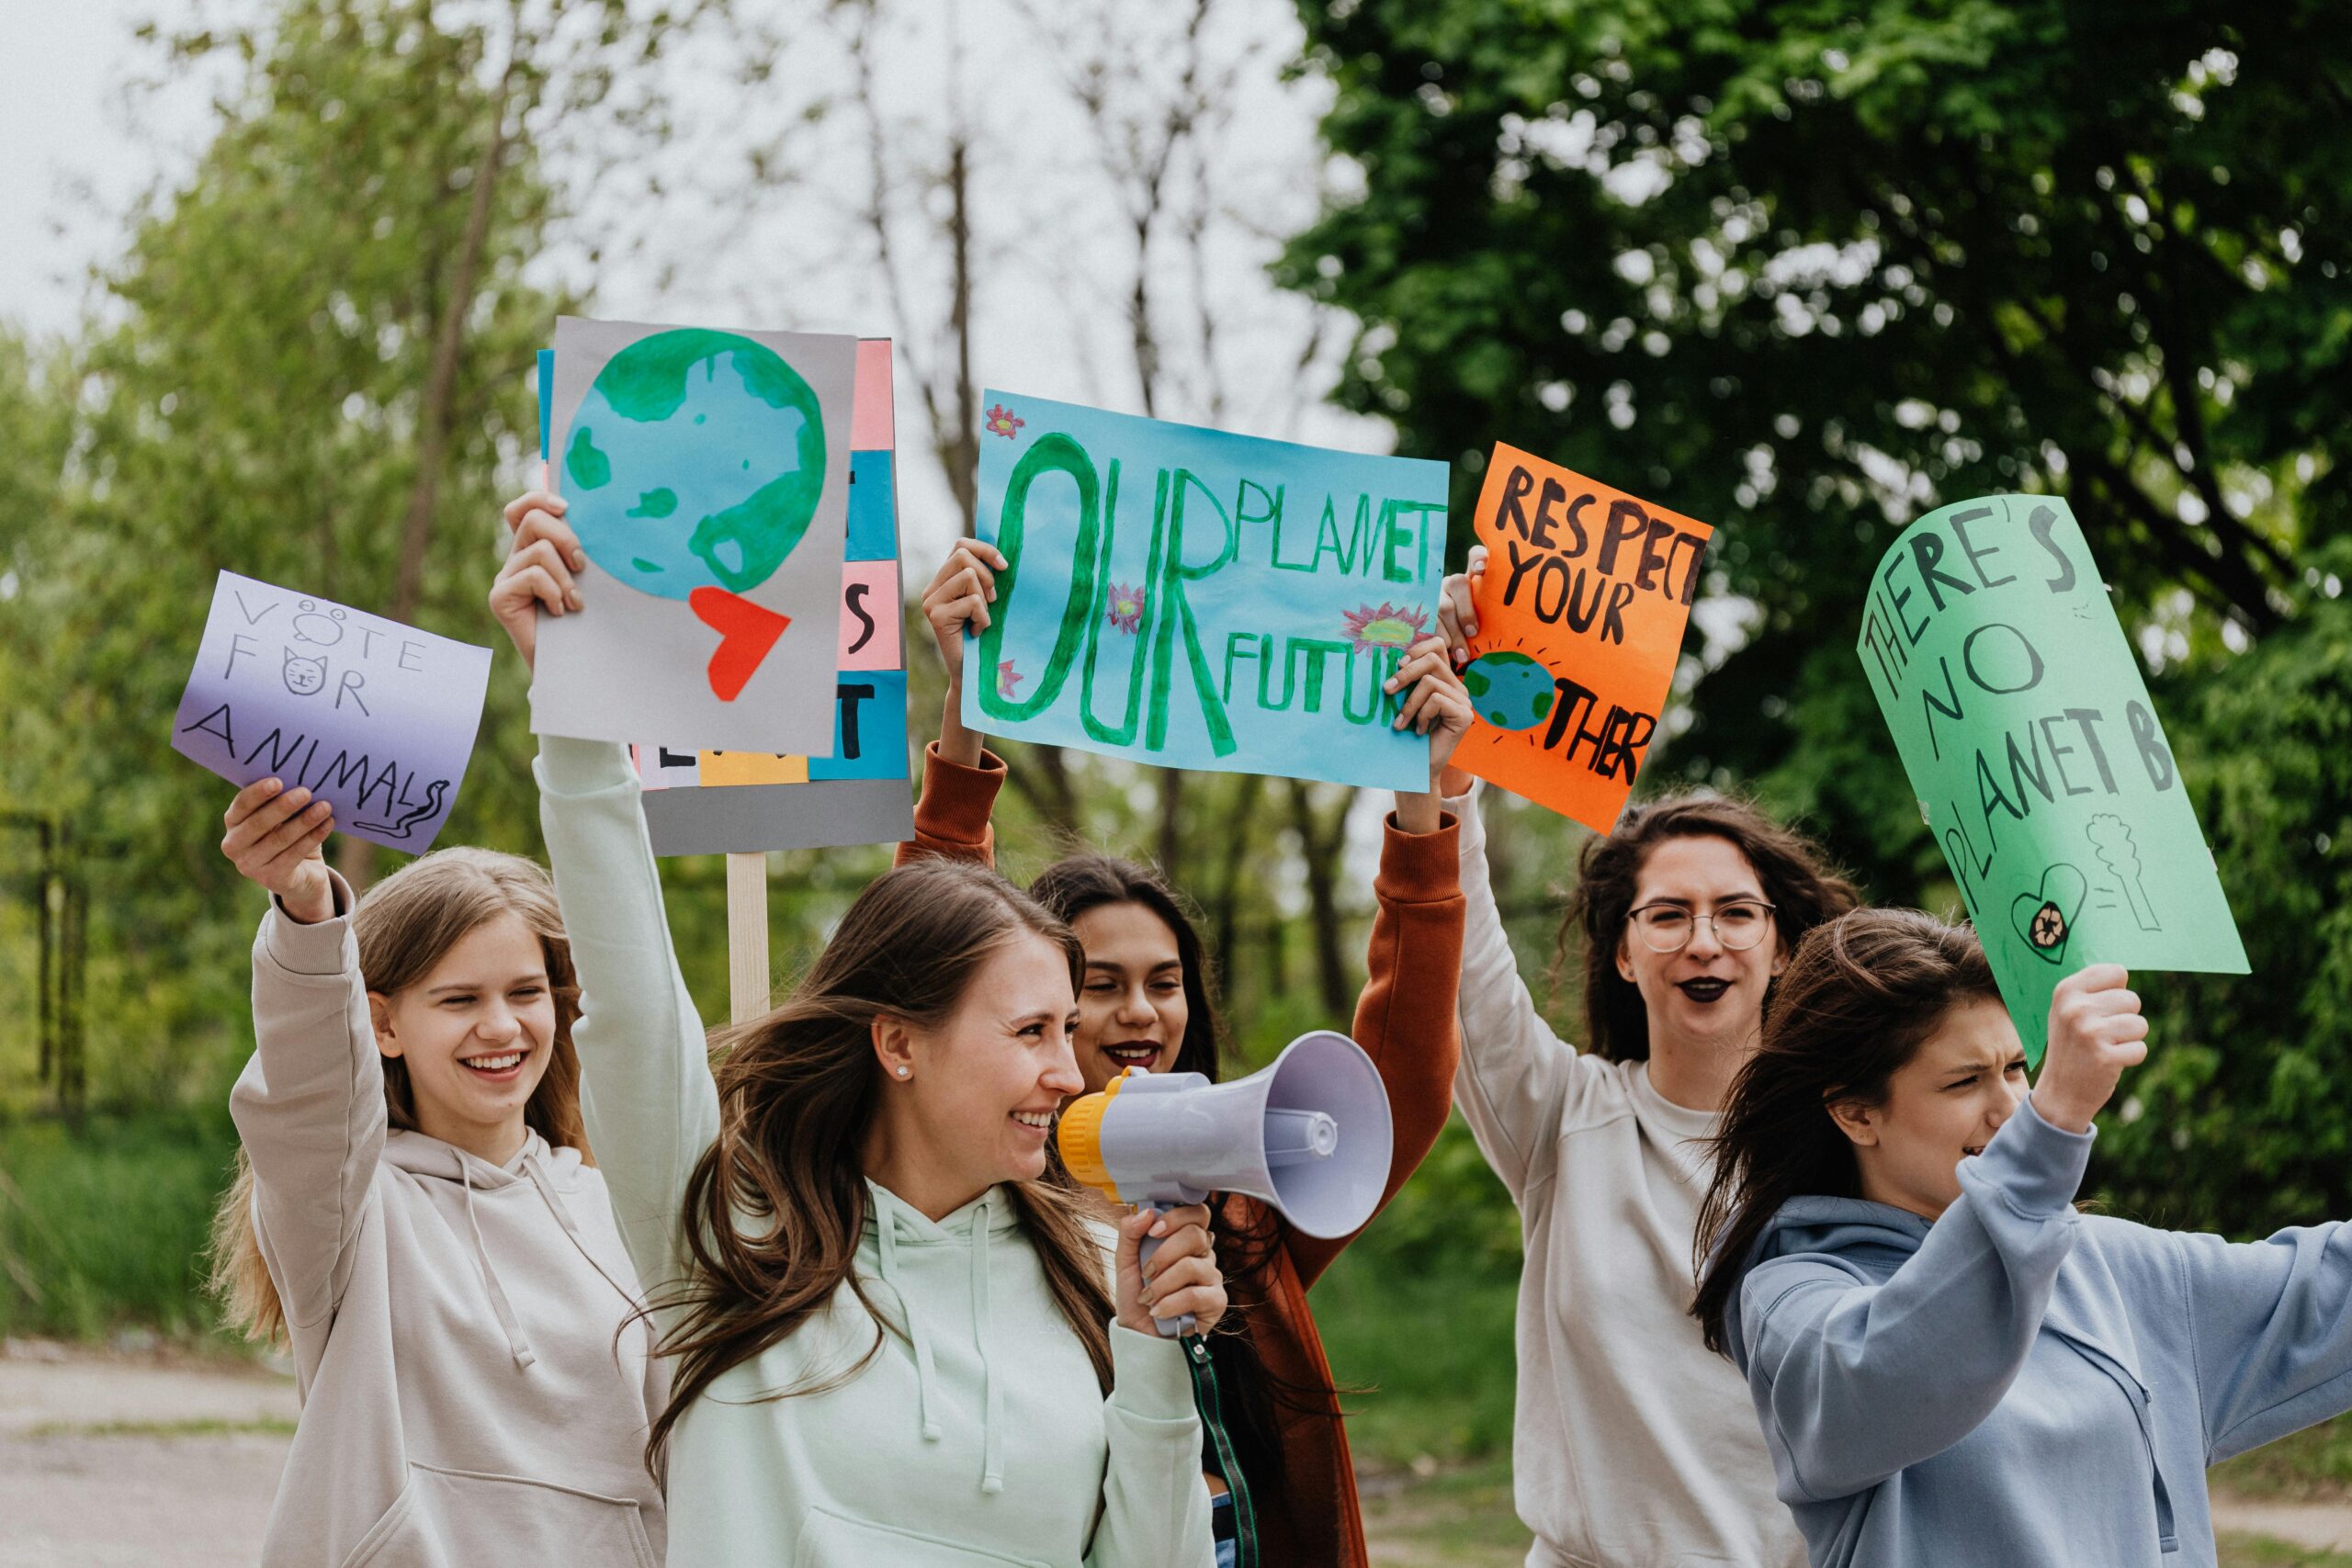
<point>1284,1485</point>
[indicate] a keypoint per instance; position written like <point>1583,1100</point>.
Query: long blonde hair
<point>406,925</point>
<point>776,1206</point>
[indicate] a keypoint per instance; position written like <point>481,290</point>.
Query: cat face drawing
<point>304,676</point>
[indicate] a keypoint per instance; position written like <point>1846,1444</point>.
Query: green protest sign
<point>2038,760</point>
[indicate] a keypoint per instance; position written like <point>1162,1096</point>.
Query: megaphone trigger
<point>1169,1327</point>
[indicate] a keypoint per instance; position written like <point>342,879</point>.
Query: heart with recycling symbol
<point>2044,920</point>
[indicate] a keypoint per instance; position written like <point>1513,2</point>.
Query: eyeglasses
<point>1667,928</point>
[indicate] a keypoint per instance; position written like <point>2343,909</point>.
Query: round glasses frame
<point>1691,925</point>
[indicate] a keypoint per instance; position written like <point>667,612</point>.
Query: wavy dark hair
<point>1245,1245</point>
<point>776,1205</point>
<point>1862,996</point>
<point>1797,878</point>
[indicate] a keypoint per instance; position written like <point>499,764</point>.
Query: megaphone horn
<point>1308,1135</point>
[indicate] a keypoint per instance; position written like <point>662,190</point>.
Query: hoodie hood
<point>554,1172</point>
<point>1871,1239</point>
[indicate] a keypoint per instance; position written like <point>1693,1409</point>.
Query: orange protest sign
<point>1581,619</point>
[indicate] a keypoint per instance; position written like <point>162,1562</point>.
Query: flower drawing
<point>1007,681</point>
<point>1125,608</point>
<point>1001,422</point>
<point>1390,625</point>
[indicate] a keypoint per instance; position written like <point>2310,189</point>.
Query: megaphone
<point>1308,1135</point>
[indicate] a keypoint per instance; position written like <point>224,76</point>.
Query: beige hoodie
<point>474,1390</point>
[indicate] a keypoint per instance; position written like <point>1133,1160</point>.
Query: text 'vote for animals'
<point>1196,598</point>
<point>2038,760</point>
<point>374,718</point>
<point>1580,617</point>
<point>706,474</point>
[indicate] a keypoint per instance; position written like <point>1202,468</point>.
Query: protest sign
<point>719,802</point>
<point>375,717</point>
<point>2037,758</point>
<point>1194,599</point>
<point>1580,620</point>
<point>708,476</point>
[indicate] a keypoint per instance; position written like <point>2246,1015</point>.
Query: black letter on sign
<point>2150,741</point>
<point>849,697</point>
<point>2042,520</point>
<point>855,600</point>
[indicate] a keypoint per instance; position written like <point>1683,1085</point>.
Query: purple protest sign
<point>375,717</point>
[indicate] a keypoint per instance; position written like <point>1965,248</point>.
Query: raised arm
<point>309,1105</point>
<point>960,777</point>
<point>1405,1017</point>
<point>646,1089</point>
<point>2271,1325</point>
<point>1855,1380</point>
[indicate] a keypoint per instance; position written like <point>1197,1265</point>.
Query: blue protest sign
<point>1196,598</point>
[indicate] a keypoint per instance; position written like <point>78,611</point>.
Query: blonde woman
<point>416,1215</point>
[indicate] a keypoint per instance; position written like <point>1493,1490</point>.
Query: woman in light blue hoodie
<point>1951,1366</point>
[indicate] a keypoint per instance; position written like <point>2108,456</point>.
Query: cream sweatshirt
<point>977,1434</point>
<point>474,1388</point>
<point>1634,1445</point>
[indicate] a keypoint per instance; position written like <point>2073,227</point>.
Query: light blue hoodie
<point>2018,1383</point>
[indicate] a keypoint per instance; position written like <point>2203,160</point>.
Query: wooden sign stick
<point>747,936</point>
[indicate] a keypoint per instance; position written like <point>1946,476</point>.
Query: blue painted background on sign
<point>1196,598</point>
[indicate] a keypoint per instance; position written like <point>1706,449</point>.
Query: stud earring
<point>902,1072</point>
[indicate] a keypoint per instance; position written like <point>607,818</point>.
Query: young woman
<point>894,1340</point>
<point>1284,1489</point>
<point>1632,1444</point>
<point>1951,1365</point>
<point>416,1212</point>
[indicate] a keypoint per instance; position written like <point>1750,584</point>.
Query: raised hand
<point>274,838</point>
<point>960,593</point>
<point>537,572</point>
<point>2096,1031</point>
<point>1457,604</point>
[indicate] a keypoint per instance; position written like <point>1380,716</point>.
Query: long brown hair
<point>776,1205</point>
<point>405,926</point>
<point>1796,875</point>
<point>1855,1004</point>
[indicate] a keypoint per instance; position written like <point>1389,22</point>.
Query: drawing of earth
<point>695,461</point>
<point>1510,691</point>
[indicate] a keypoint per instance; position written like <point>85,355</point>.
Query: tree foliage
<point>1806,269</point>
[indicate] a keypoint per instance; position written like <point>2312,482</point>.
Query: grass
<point>2261,1551</point>
<point>1431,1353</point>
<point>2314,1464</point>
<point>104,1229</point>
<point>265,1425</point>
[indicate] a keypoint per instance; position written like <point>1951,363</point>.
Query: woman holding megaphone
<point>1950,1364</point>
<point>1148,1002</point>
<point>1632,1442</point>
<point>891,1339</point>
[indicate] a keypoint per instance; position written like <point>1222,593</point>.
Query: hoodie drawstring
<point>538,1176</point>
<point>521,1348</point>
<point>926,1375</point>
<point>992,1413</point>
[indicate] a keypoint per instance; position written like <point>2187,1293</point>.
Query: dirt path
<point>109,1461</point>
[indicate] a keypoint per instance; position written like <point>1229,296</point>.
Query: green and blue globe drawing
<point>1509,690</point>
<point>695,460</point>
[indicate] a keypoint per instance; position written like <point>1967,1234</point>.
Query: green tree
<point>1805,269</point>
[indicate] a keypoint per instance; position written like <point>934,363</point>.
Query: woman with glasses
<point>1634,1444</point>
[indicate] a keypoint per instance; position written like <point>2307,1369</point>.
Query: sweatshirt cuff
<point>567,766</point>
<point>316,949</point>
<point>1420,868</point>
<point>957,801</point>
<point>1147,1375</point>
<point>2034,1168</point>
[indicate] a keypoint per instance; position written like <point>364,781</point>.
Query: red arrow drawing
<point>746,631</point>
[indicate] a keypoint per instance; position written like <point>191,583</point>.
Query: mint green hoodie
<point>976,1435</point>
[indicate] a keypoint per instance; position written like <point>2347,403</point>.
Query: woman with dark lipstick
<point>1633,1443</point>
<point>1283,1484</point>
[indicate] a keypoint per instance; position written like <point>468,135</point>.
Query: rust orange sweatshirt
<point>1405,1022</point>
